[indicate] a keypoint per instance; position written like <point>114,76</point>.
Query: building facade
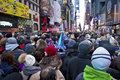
<point>33,13</point>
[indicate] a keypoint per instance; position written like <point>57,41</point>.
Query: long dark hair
<point>40,50</point>
<point>8,56</point>
<point>48,74</point>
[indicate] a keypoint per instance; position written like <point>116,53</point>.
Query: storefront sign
<point>57,12</point>
<point>4,23</point>
<point>21,10</point>
<point>25,22</point>
<point>14,8</point>
<point>109,12</point>
<point>6,9</point>
<point>64,1</point>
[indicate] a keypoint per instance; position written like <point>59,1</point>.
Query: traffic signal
<point>14,9</point>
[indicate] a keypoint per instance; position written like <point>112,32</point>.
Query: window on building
<point>30,16</point>
<point>29,5</point>
<point>33,7</point>
<point>20,1</point>
<point>35,26</point>
<point>25,2</point>
<point>33,16</point>
<point>36,9</point>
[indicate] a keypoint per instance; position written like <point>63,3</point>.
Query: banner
<point>64,1</point>
<point>6,6</point>
<point>21,10</point>
<point>57,12</point>
<point>14,8</point>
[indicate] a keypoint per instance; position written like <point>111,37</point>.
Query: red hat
<point>50,50</point>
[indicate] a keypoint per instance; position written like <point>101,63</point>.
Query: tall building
<point>98,13</point>
<point>98,7</point>
<point>14,16</point>
<point>33,13</point>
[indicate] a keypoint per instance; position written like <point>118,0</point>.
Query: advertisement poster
<point>6,6</point>
<point>14,8</point>
<point>21,10</point>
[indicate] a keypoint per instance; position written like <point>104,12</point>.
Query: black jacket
<point>76,65</point>
<point>65,63</point>
<point>114,73</point>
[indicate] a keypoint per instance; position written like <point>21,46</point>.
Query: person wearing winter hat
<point>110,48</point>
<point>69,54</point>
<point>71,42</point>
<point>29,48</point>
<point>12,45</point>
<point>29,68</point>
<point>50,50</point>
<point>77,64</point>
<point>101,61</point>
<point>9,34</point>
<point>87,36</point>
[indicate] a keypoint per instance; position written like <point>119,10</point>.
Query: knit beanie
<point>29,60</point>
<point>29,48</point>
<point>101,59</point>
<point>50,50</point>
<point>84,48</point>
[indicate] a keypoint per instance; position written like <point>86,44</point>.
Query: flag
<point>60,44</point>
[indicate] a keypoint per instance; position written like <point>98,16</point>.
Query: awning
<point>25,22</point>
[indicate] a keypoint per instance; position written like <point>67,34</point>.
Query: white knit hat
<point>101,59</point>
<point>29,60</point>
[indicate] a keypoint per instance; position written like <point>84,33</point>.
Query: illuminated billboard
<point>21,10</point>
<point>14,8</point>
<point>6,6</point>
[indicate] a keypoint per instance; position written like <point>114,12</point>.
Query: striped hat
<point>101,59</point>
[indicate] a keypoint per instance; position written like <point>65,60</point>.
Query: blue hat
<point>101,59</point>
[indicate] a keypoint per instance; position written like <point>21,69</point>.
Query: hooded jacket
<point>92,74</point>
<point>77,64</point>
<point>28,70</point>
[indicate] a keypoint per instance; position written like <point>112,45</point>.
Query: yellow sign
<point>14,8</point>
<point>64,1</point>
<point>6,6</point>
<point>21,10</point>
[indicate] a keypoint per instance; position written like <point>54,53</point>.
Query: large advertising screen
<point>14,8</point>
<point>21,10</point>
<point>6,6</point>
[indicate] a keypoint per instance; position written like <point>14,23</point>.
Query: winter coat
<point>94,74</point>
<point>17,52</point>
<point>6,68</point>
<point>59,75</point>
<point>65,63</point>
<point>29,70</point>
<point>35,76</point>
<point>114,73</point>
<point>76,65</point>
<point>14,76</point>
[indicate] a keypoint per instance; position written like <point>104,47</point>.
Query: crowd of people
<point>60,56</point>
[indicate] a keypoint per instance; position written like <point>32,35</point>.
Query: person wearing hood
<point>12,45</point>
<point>28,69</point>
<point>78,63</point>
<point>8,64</point>
<point>29,49</point>
<point>100,61</point>
<point>71,52</point>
